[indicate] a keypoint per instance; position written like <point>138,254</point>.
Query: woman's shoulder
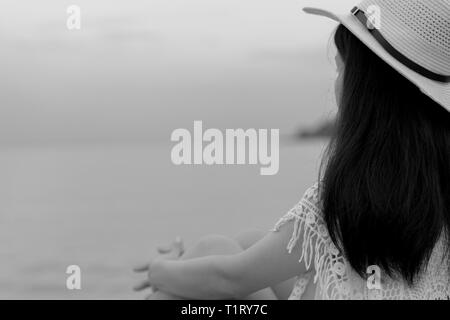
<point>311,234</point>
<point>312,201</point>
<point>310,231</point>
<point>309,208</point>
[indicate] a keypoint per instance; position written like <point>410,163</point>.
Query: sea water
<point>106,208</point>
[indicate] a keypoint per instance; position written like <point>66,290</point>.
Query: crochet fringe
<point>313,246</point>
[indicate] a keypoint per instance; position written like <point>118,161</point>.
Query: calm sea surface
<point>105,208</point>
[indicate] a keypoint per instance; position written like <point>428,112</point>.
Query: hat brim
<point>438,91</point>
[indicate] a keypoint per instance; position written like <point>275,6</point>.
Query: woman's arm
<point>231,276</point>
<point>198,278</point>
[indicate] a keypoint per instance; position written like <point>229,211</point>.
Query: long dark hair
<point>386,175</point>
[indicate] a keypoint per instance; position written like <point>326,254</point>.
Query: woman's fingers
<point>164,249</point>
<point>142,285</point>
<point>150,296</point>
<point>172,251</point>
<point>178,246</point>
<point>142,268</point>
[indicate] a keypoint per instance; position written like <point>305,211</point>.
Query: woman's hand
<point>169,252</point>
<point>177,245</point>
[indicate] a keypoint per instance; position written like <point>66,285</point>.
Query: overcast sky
<point>139,69</point>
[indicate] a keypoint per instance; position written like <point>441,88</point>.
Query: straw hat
<point>413,36</point>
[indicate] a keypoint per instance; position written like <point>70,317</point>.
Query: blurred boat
<point>322,131</point>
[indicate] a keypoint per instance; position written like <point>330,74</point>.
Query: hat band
<point>358,13</point>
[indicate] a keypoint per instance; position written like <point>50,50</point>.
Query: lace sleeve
<point>309,224</point>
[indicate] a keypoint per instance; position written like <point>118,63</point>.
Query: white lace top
<point>333,276</point>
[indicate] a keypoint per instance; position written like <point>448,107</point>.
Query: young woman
<point>383,200</point>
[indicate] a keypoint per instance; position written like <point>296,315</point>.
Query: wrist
<point>157,273</point>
